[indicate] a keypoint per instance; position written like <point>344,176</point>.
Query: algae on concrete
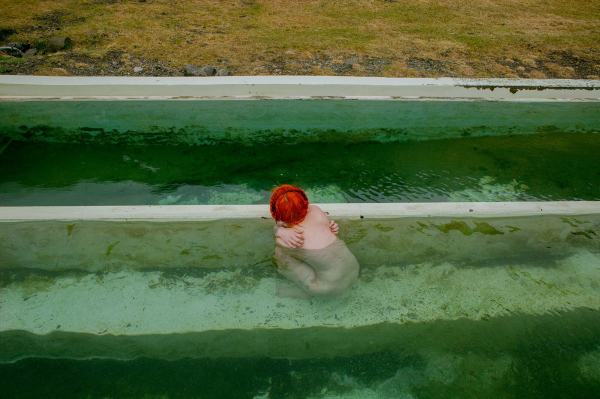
<point>285,121</point>
<point>245,243</point>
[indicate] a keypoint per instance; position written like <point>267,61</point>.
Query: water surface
<point>542,167</point>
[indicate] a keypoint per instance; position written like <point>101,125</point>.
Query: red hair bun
<point>289,204</point>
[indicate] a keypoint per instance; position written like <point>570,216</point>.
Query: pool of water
<point>536,368</point>
<point>541,167</point>
<point>443,307</point>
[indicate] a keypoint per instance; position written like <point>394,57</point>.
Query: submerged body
<point>323,266</point>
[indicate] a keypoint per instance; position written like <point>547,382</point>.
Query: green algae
<point>421,228</point>
<point>385,229</point>
<point>462,227</point>
<point>587,234</point>
<point>355,236</point>
<point>34,284</point>
<point>465,229</point>
<point>70,229</point>
<point>573,222</point>
<point>520,273</point>
<point>285,121</point>
<point>111,247</point>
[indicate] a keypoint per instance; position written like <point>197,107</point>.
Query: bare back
<point>317,233</point>
<point>323,266</point>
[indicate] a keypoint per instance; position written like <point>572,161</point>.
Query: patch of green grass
<point>460,33</point>
<point>310,39</point>
<point>6,60</point>
<point>478,43</point>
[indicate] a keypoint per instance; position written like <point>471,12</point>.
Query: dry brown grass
<point>260,36</point>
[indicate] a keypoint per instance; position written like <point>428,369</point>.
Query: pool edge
<point>14,87</point>
<point>335,210</point>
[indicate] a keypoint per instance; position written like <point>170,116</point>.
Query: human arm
<point>291,237</point>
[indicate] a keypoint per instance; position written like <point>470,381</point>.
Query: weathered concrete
<point>250,122</point>
<point>225,110</point>
<point>296,87</point>
<point>168,213</point>
<point>233,243</point>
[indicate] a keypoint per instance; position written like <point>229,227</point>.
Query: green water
<point>537,369</point>
<point>542,167</point>
<point>464,350</point>
<point>460,311</point>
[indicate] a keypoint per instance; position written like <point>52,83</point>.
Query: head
<point>289,204</point>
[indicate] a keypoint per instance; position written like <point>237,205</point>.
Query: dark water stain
<point>463,227</point>
<point>385,229</point>
<point>587,234</point>
<point>111,247</point>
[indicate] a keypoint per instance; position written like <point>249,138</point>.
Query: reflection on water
<point>505,168</point>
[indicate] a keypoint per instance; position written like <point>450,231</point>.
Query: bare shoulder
<point>317,212</point>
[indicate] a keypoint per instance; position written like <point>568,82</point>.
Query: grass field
<point>480,38</point>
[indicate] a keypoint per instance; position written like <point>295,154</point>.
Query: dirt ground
<point>412,38</point>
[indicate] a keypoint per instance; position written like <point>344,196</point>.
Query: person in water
<point>307,250</point>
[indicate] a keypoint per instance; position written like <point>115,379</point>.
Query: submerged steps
<point>170,315</point>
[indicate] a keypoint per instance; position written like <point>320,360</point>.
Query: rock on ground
<point>209,71</point>
<point>58,43</point>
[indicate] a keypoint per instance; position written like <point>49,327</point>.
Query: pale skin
<point>316,231</point>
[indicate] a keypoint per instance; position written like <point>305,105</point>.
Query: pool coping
<point>164,213</point>
<point>17,87</point>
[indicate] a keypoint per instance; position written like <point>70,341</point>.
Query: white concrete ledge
<point>349,211</point>
<point>47,87</point>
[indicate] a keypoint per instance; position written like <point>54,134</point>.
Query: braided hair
<point>289,204</point>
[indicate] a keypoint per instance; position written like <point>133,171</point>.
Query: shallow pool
<point>444,307</point>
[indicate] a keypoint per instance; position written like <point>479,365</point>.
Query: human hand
<point>333,226</point>
<point>291,237</point>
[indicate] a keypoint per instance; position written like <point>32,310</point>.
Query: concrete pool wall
<point>232,236</point>
<point>288,110</point>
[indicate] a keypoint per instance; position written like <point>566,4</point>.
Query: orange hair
<point>289,204</point>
